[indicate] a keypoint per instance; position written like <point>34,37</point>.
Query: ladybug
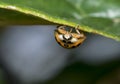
<point>67,38</point>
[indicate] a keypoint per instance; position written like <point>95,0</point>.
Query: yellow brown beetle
<point>69,39</point>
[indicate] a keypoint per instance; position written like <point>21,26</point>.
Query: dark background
<point>31,55</point>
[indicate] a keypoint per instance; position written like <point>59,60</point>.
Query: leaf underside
<point>96,16</point>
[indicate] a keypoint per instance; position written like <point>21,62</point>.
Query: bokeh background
<point>31,55</point>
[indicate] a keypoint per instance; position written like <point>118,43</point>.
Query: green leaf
<point>96,16</point>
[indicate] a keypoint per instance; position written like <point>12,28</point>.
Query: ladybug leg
<point>61,27</point>
<point>71,30</point>
<point>77,30</point>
